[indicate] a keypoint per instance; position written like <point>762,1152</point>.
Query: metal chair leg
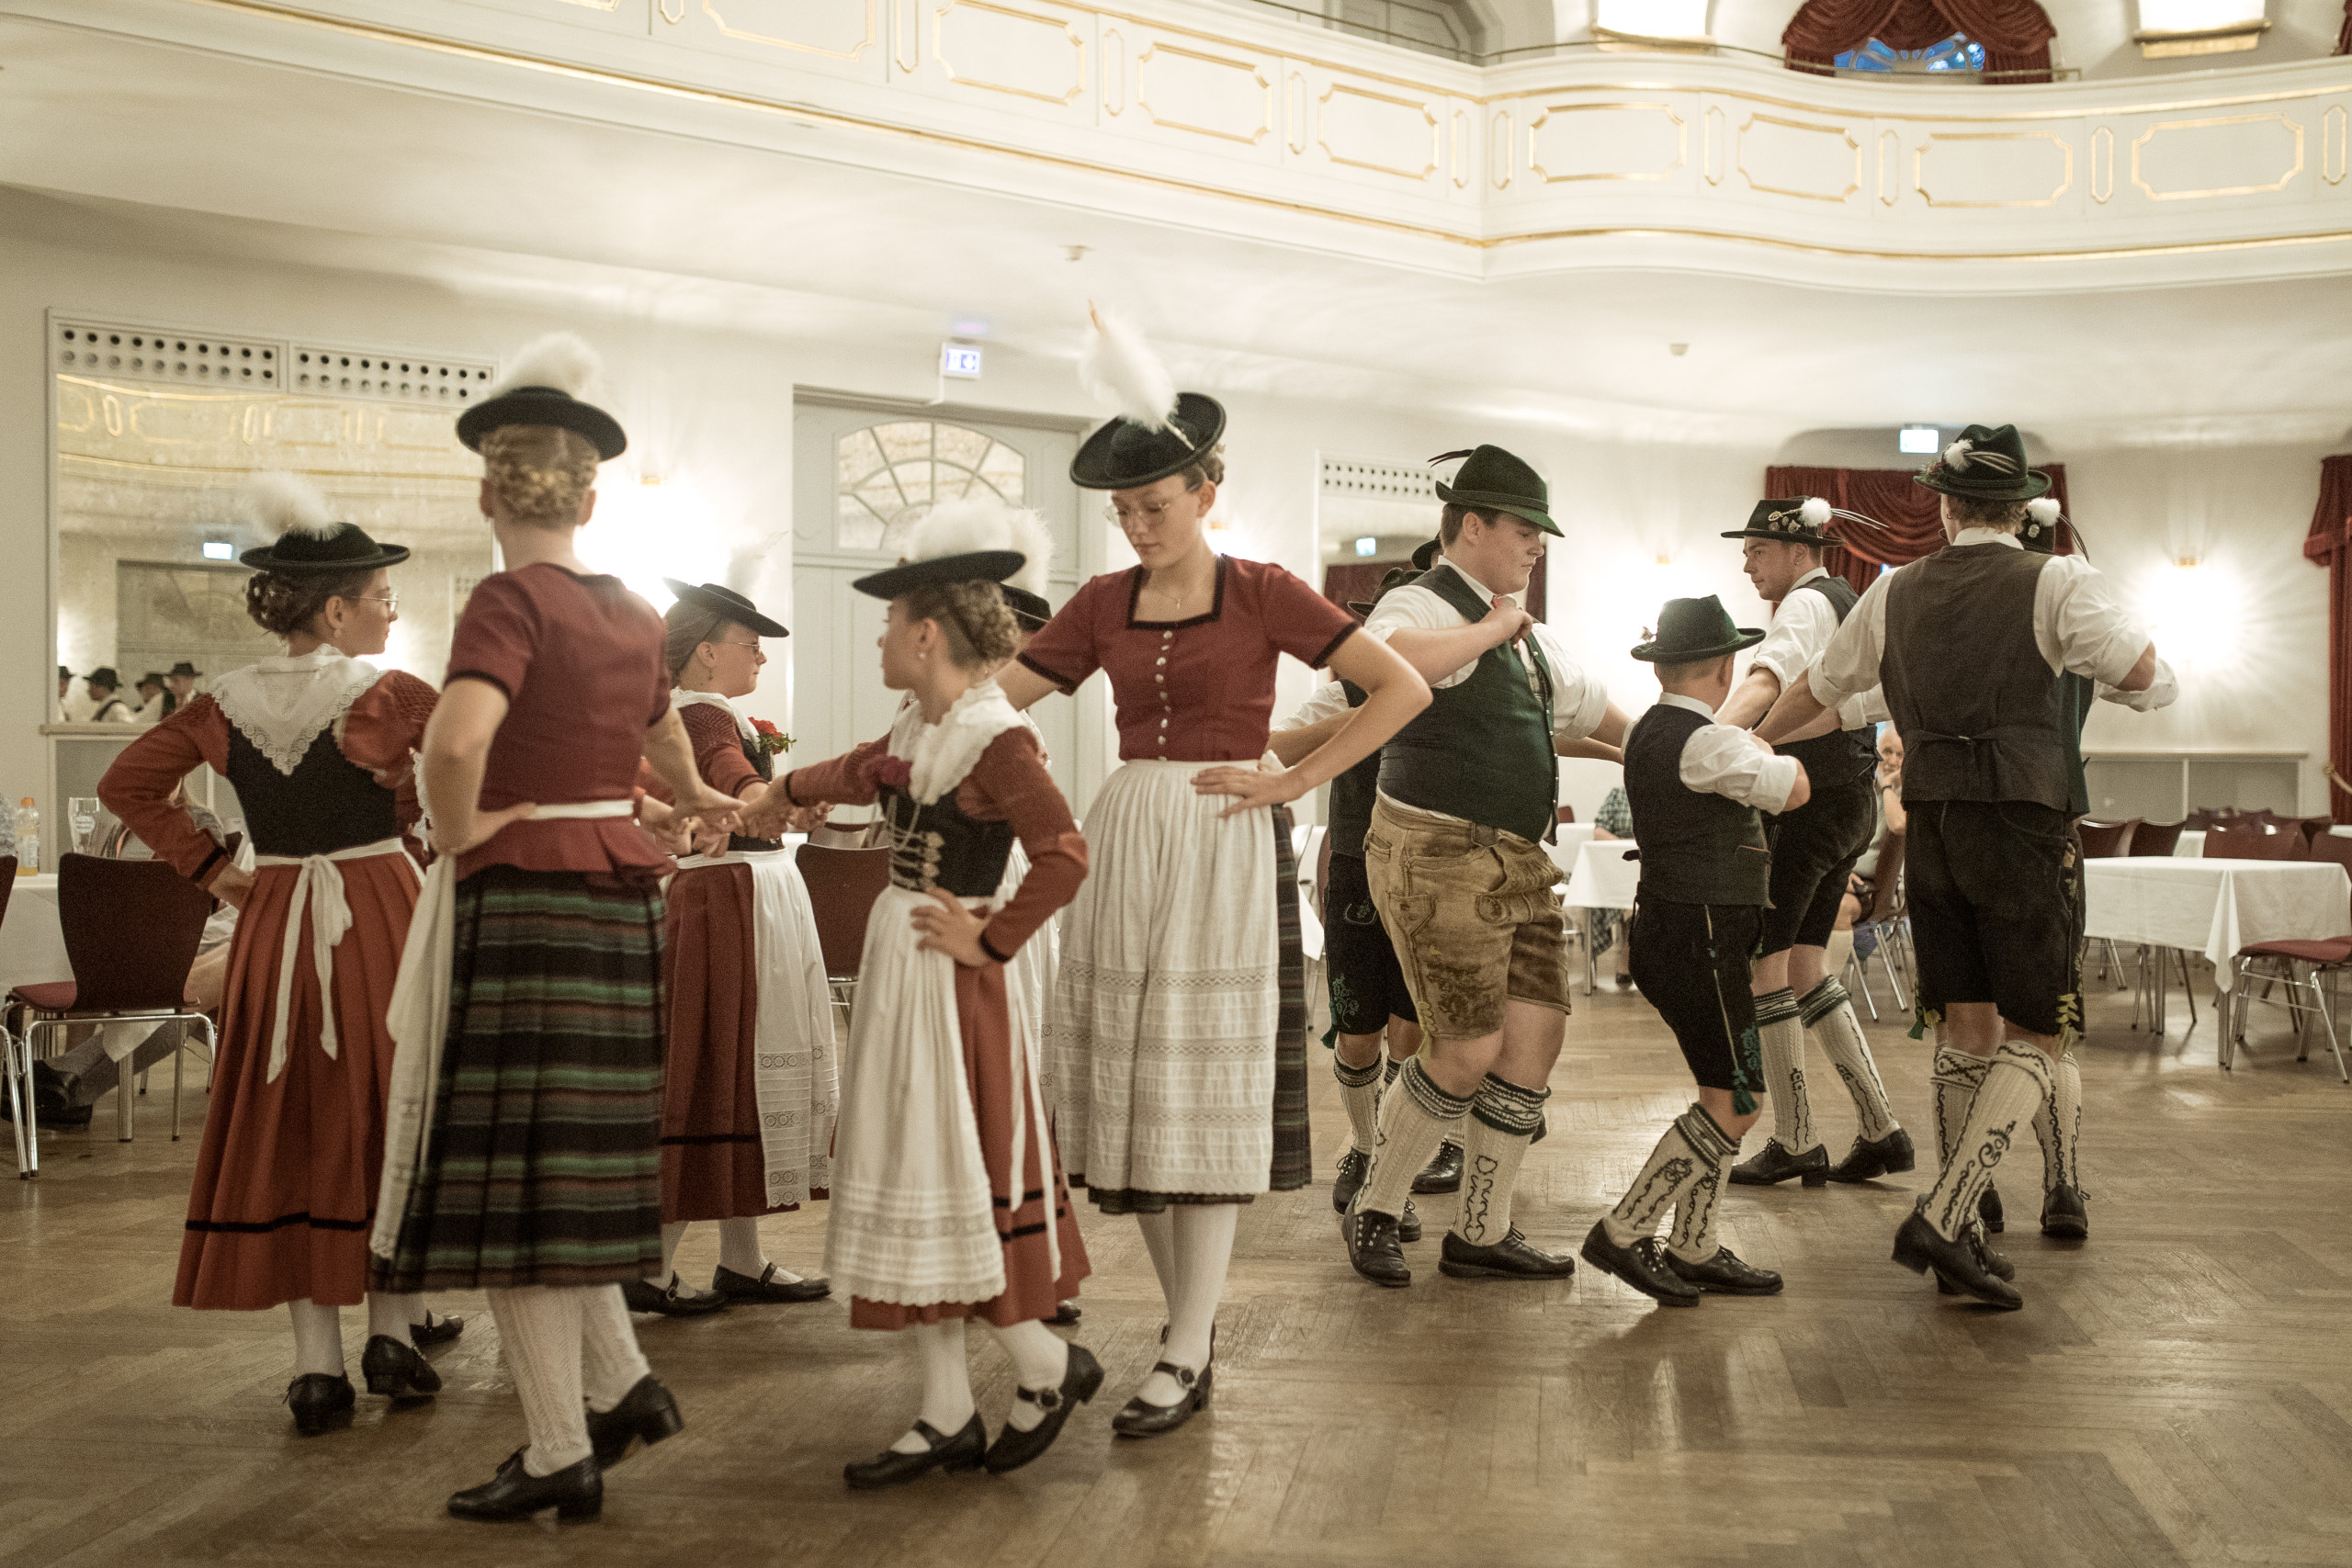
<point>1861,975</point>
<point>19,1097</point>
<point>125,1115</point>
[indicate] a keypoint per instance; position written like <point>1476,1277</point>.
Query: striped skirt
<point>544,1166</point>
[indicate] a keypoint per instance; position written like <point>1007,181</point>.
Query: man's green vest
<point>1482,749</point>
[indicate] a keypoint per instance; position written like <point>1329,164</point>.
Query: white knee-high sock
<point>1780,1033</point>
<point>739,1249</point>
<point>1829,1015</point>
<point>671,1234</point>
<point>2059,1126</point>
<point>390,1315</point>
<point>540,1329</point>
<point>1360,1095</point>
<point>1160,1244</point>
<point>1694,1237</point>
<point>2016,1085</point>
<point>1954,1083</point>
<point>1415,1116</point>
<point>1202,1238</point>
<point>1040,1361</point>
<point>318,1339</point>
<point>610,1362</point>
<point>1503,1119</point>
<point>947,1382</point>
<point>1692,1148</point>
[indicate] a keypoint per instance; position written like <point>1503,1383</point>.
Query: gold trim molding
<point>745,35</point>
<point>2149,135</point>
<point>1740,159</point>
<point>1323,131</point>
<point>1682,140</point>
<point>2332,145</point>
<point>939,49</point>
<point>1265,94</point>
<point>1919,165</point>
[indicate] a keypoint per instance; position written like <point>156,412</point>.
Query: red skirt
<point>1031,1289</point>
<point>712,1164</point>
<point>285,1189</point>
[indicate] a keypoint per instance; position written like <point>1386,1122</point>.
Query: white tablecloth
<point>2191,845</point>
<point>32,944</point>
<point>1601,877</point>
<point>2216,907</point>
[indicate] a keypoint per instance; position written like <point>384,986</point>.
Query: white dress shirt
<point>1578,703</point>
<point>1725,760</point>
<point>1802,628</point>
<point>1329,700</point>
<point>2077,625</point>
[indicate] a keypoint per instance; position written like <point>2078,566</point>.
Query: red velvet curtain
<point>2329,544</point>
<point>2015,33</point>
<point>2344,38</point>
<point>1912,514</point>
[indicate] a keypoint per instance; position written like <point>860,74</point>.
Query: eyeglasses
<point>730,642</point>
<point>391,601</point>
<point>1149,516</point>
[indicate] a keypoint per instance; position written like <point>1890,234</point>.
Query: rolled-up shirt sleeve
<point>2162,692</point>
<point>1800,630</point>
<point>1725,761</point>
<point>1849,666</point>
<point>2080,626</point>
<point>1331,699</point>
<point>1579,702</point>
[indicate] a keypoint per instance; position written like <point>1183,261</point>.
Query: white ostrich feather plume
<point>561,360</point>
<point>1814,512</point>
<point>1119,371</point>
<point>281,503</point>
<point>2042,508</point>
<point>983,522</point>
<point>1956,454</point>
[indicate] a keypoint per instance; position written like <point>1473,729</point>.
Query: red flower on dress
<point>894,771</point>
<point>768,737</point>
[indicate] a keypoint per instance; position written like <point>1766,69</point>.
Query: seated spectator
<point>1862,887</point>
<point>1614,820</point>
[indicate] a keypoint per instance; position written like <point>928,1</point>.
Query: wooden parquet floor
<point>2177,1390</point>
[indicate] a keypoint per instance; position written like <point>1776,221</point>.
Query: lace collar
<point>281,704</point>
<point>940,755</point>
<point>680,698</point>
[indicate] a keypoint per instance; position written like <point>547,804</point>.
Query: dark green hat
<point>184,668</point>
<point>1795,519</point>
<point>723,601</point>
<point>1491,479</point>
<point>104,675</point>
<point>1123,454</point>
<point>1985,465</point>
<point>1692,630</point>
<point>2042,524</point>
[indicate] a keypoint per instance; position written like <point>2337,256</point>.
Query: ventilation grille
<point>1367,481</point>
<point>392,378</point>
<point>460,590</point>
<point>145,354</point>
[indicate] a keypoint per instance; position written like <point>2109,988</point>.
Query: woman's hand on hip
<point>953,929</point>
<point>1252,787</point>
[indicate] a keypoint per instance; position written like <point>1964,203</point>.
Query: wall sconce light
<point>215,550</point>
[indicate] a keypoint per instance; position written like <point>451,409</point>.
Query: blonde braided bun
<point>980,631</point>
<point>539,475</point>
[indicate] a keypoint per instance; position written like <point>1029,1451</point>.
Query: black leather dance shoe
<point>964,1450</point>
<point>1509,1259</point>
<point>1642,1265</point>
<point>1066,1315</point>
<point>320,1403</point>
<point>396,1370</point>
<point>1442,1174</point>
<point>1372,1247</point>
<point>1408,1223</point>
<point>576,1492</point>
<point>1871,1158</point>
<point>1774,1164</point>
<point>2064,1213</point>
<point>432,1331</point>
<point>1140,1418</point>
<point>731,1286</point>
<point>680,1300</point>
<point>648,1410</point>
<point>1957,1264</point>
<point>1014,1448</point>
<point>1988,1208</point>
<point>1727,1274</point>
<point>1354,1165</point>
<point>1996,1264</point>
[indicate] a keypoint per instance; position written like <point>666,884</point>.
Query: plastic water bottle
<point>27,838</point>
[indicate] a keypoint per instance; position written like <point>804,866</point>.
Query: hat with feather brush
<point>308,536</point>
<point>1798,519</point>
<point>971,539</point>
<point>1984,464</point>
<point>546,383</point>
<point>2043,525</point>
<point>1159,431</point>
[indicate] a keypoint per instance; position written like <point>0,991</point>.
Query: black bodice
<point>763,765</point>
<point>328,803</point>
<point>940,845</point>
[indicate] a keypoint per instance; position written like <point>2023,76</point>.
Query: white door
<point>864,472</point>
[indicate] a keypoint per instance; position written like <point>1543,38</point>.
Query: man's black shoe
<point>1372,1247</point>
<point>1725,1274</point>
<point>1871,1158</point>
<point>1957,1264</point>
<point>1774,1164</point>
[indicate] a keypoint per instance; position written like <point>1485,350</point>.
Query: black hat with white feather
<point>1985,464</point>
<point>970,539</point>
<point>1797,519</point>
<point>546,383</point>
<point>1158,431</point>
<point>309,538</point>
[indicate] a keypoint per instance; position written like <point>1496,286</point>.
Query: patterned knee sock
<point>610,1362</point>
<point>1693,1148</point>
<point>1503,1118</point>
<point>1781,1032</point>
<point>2059,1126</point>
<point>1954,1083</point>
<point>2017,1084</point>
<point>1360,1092</point>
<point>539,1329</point>
<point>1415,1118</point>
<point>1828,1013</point>
<point>1693,1237</point>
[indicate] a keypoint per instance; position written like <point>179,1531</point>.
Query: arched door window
<point>888,476</point>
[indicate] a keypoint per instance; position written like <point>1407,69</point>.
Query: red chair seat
<point>47,996</point>
<point>2335,950</point>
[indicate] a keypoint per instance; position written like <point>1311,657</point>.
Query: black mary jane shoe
<point>576,1492</point>
<point>1988,1208</point>
<point>1642,1265</point>
<point>1871,1158</point>
<point>1141,1418</point>
<point>432,1331</point>
<point>1354,1165</point>
<point>1509,1259</point>
<point>1774,1164</point>
<point>1727,1274</point>
<point>1014,1448</point>
<point>647,1410</point>
<point>679,1300</point>
<point>1066,1315</point>
<point>396,1370</point>
<point>320,1403</point>
<point>2064,1214</point>
<point>1957,1264</point>
<point>1374,1249</point>
<point>731,1286</point>
<point>966,1451</point>
<point>1442,1174</point>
